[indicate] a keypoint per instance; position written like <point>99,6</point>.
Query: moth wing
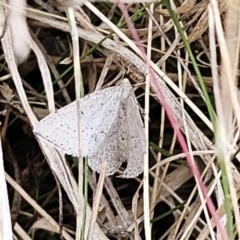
<point>136,139</point>
<point>114,150</point>
<point>56,128</point>
<point>98,111</point>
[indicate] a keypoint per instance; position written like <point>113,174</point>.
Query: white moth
<point>112,130</point>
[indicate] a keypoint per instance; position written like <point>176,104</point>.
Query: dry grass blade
<point>43,213</point>
<point>96,201</point>
<point>78,93</point>
<point>19,230</point>
<point>52,68</point>
<point>5,221</point>
<point>146,202</point>
<point>225,114</point>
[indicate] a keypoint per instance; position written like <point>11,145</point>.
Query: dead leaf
<point>7,92</point>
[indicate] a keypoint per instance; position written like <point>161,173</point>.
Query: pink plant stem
<point>155,85</point>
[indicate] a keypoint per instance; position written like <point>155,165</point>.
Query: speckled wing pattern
<point>136,141</point>
<point>114,150</point>
<point>111,130</point>
<point>98,112</point>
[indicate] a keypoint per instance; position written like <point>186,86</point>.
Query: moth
<point>112,130</point>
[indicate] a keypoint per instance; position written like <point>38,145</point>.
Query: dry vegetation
<point>44,197</point>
